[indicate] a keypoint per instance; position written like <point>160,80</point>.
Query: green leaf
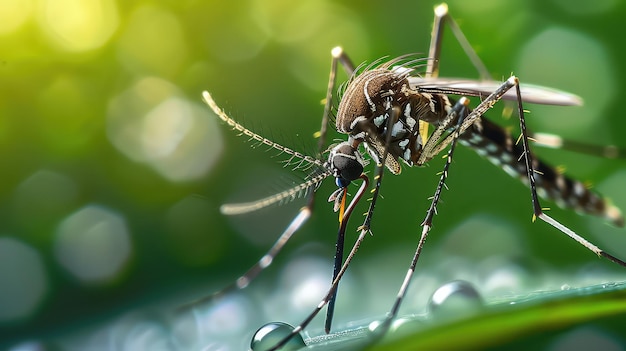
<point>498,323</point>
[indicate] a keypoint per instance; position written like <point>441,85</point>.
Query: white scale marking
<point>407,154</point>
<point>387,104</point>
<point>357,120</point>
<point>560,183</point>
<point>397,129</point>
<point>496,161</point>
<point>411,122</point>
<point>407,111</point>
<point>367,96</point>
<point>359,136</point>
<point>491,148</point>
<point>510,170</point>
<point>579,189</point>
<point>506,158</point>
<point>378,121</point>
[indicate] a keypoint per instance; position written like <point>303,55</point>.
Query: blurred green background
<point>113,171</point>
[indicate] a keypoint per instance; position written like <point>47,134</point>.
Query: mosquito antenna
<point>254,136</point>
<point>284,196</point>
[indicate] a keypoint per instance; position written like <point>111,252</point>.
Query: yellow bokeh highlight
<point>13,14</point>
<point>76,25</point>
<point>153,42</point>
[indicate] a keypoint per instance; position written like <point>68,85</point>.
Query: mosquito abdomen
<point>495,143</point>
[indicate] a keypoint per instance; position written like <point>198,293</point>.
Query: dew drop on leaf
<point>455,299</point>
<point>272,333</point>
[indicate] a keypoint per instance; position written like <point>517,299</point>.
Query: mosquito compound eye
<point>346,162</point>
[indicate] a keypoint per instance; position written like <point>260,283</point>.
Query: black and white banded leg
<point>309,186</point>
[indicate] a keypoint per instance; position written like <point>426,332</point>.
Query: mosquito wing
<point>530,93</point>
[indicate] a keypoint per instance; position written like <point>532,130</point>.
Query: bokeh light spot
<point>76,25</point>
<point>28,346</point>
<point>304,280</point>
<point>565,59</point>
<point>243,42</point>
<point>13,14</point>
<point>22,278</point>
<point>153,42</point>
<point>93,244</point>
<point>152,123</point>
<point>288,21</point>
<point>216,326</point>
<point>309,59</point>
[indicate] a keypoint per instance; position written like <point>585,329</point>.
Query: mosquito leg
<point>302,216</point>
<point>338,56</point>
<point>556,142</point>
<point>459,112</point>
<point>436,38</point>
<point>265,261</point>
<point>331,291</point>
<point>433,147</point>
<point>434,53</point>
<point>364,230</point>
<point>537,211</point>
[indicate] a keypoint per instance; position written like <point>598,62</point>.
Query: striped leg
<point>333,288</point>
<point>538,212</point>
<point>442,16</point>
<point>364,230</point>
<point>308,186</point>
<point>458,113</point>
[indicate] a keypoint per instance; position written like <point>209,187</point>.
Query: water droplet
<point>406,325</point>
<point>373,326</point>
<point>455,299</point>
<point>272,333</point>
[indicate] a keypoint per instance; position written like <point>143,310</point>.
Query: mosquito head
<point>346,163</point>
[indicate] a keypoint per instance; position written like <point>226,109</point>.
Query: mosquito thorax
<point>346,163</point>
<point>367,104</point>
<point>367,100</point>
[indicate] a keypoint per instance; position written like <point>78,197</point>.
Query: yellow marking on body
<point>424,131</point>
<point>343,205</point>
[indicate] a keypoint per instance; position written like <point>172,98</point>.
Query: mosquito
<point>399,115</point>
